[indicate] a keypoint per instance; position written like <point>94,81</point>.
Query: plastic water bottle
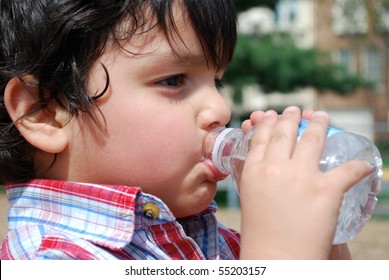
<point>229,146</point>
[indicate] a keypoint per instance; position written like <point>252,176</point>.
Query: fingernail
<point>269,113</point>
<point>320,114</point>
<point>291,109</point>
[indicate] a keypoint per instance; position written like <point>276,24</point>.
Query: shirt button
<point>150,211</point>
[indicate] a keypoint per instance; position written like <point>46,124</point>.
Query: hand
<point>290,207</point>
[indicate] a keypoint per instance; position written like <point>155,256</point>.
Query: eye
<point>218,84</point>
<point>173,81</point>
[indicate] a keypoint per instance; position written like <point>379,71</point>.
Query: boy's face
<point>158,110</point>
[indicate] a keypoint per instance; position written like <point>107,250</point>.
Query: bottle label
<point>304,123</point>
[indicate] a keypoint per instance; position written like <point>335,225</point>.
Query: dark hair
<point>57,42</point>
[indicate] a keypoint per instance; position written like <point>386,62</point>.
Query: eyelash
<point>179,81</point>
<point>176,78</point>
<point>218,84</point>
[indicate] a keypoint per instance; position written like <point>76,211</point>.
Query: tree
<point>276,63</point>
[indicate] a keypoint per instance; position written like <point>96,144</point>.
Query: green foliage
<point>276,63</point>
<point>384,196</point>
<point>221,198</point>
<point>383,147</point>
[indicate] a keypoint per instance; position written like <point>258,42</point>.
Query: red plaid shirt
<point>67,220</point>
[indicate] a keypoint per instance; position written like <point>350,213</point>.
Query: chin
<point>199,201</point>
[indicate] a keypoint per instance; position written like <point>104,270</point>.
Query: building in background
<point>356,33</point>
<point>345,28</point>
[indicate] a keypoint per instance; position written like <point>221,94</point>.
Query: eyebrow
<point>186,58</point>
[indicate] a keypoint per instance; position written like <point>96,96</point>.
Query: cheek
<point>154,149</point>
<point>168,147</point>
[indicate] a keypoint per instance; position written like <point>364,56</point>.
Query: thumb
<point>350,173</point>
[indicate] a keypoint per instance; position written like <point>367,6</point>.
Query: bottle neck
<point>221,143</point>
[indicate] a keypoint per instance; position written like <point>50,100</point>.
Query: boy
<point>104,111</point>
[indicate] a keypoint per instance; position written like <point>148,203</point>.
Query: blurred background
<point>330,55</point>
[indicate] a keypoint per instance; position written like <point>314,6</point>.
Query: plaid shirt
<point>67,220</point>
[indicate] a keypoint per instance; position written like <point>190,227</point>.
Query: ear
<point>42,128</point>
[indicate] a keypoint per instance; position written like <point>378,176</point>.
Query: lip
<point>215,174</point>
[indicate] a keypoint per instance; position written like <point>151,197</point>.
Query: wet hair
<point>56,42</point>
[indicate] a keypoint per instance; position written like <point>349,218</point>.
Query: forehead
<point>176,37</point>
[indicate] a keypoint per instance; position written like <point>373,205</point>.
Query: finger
<point>262,135</point>
<point>310,145</point>
<point>307,114</point>
<point>246,125</point>
<point>255,117</point>
<point>284,135</point>
<point>348,173</point>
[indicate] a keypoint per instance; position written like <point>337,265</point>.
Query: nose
<point>214,110</point>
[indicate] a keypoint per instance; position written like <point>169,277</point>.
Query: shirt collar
<point>106,215</point>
